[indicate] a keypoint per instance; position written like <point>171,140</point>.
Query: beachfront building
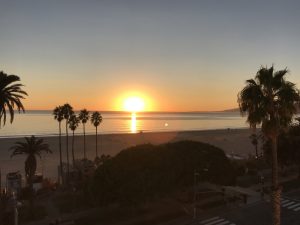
<point>14,182</point>
<point>37,182</point>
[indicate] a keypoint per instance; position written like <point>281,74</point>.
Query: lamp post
<point>196,174</point>
<point>262,182</point>
<point>15,208</point>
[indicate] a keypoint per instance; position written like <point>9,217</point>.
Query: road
<point>257,213</point>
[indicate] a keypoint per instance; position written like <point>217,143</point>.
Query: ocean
<point>42,123</point>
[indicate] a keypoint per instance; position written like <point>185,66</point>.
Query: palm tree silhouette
<point>11,94</point>
<point>67,112</point>
<point>59,116</point>
<point>96,119</point>
<point>73,124</point>
<point>32,147</point>
<point>84,117</point>
<point>271,101</point>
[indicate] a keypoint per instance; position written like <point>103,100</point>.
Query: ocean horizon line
<point>48,135</point>
<point>146,112</point>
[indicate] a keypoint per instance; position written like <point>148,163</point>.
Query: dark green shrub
<point>146,171</point>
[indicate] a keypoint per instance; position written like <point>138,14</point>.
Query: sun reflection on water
<point>133,123</point>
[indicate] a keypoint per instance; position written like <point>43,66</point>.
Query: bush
<point>26,216</point>
<point>147,171</point>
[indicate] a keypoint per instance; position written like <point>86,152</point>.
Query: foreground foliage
<point>270,100</point>
<point>147,171</point>
<point>11,96</point>
<point>288,147</point>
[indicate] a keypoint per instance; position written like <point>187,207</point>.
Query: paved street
<point>257,213</point>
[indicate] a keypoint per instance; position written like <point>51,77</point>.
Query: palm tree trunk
<point>255,142</point>
<point>96,143</point>
<point>276,191</point>
<point>84,153</point>
<point>256,150</point>
<point>67,149</point>
<point>60,155</point>
<point>73,156</point>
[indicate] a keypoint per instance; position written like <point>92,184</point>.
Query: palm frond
<point>11,94</point>
<point>84,115</point>
<point>269,100</point>
<point>96,119</point>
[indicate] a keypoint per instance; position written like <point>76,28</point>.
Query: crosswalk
<point>216,221</point>
<point>290,204</point>
<point>285,203</point>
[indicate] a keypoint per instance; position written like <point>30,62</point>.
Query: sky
<point>187,55</point>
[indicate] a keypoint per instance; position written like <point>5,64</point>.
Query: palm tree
<point>96,119</point>
<point>32,147</point>
<point>59,116</point>
<point>11,94</point>
<point>73,124</point>
<point>67,112</point>
<point>84,117</point>
<point>270,101</point>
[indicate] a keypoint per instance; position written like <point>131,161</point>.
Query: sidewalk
<point>254,193</point>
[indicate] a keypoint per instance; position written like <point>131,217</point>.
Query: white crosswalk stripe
<point>216,221</point>
<point>210,219</point>
<point>289,204</point>
<point>294,206</point>
<point>297,209</point>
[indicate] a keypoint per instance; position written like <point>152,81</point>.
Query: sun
<point>134,104</point>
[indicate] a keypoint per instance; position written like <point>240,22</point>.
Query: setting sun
<point>134,104</point>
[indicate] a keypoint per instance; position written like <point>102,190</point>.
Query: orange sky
<point>184,56</point>
<point>46,94</point>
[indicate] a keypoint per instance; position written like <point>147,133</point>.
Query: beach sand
<point>232,141</point>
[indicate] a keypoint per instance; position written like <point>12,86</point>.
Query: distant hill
<point>238,110</point>
<point>232,110</point>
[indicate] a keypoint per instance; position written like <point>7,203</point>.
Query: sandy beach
<point>232,141</point>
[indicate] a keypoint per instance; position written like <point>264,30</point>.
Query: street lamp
<point>262,182</point>
<point>195,193</point>
<point>196,174</point>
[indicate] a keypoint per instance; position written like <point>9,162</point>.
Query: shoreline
<point>232,141</point>
<point>114,133</point>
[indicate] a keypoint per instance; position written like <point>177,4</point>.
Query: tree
<point>59,116</point>
<point>73,124</point>
<point>11,94</point>
<point>270,101</point>
<point>84,117</point>
<point>96,119</point>
<point>67,112</point>
<point>32,147</point>
<point>288,147</point>
<point>145,172</point>
<point>292,142</point>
